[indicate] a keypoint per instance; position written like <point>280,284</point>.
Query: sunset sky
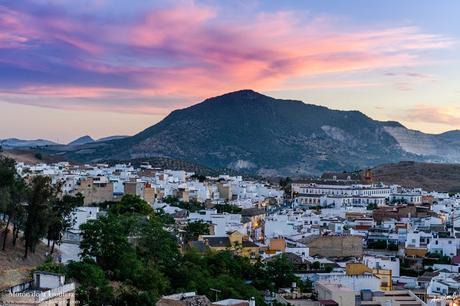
<point>115,67</point>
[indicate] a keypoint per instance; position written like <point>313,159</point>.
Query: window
<point>68,302</point>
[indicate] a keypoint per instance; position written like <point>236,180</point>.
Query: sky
<point>114,67</point>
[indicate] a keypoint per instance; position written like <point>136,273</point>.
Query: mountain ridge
<point>81,141</point>
<point>248,131</point>
<point>25,143</point>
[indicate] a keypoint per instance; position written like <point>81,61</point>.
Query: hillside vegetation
<point>429,176</point>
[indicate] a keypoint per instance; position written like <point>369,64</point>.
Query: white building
<point>380,262</point>
<point>446,246</point>
<point>339,194</point>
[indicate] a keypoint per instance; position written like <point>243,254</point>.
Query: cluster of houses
<point>358,242</point>
<point>103,183</point>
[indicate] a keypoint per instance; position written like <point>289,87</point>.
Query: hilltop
<point>253,133</point>
<point>429,176</point>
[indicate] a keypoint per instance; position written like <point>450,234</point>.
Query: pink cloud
<point>189,51</point>
<point>433,114</point>
<point>407,80</point>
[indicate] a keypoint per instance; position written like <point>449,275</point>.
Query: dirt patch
<point>30,156</point>
<point>14,268</point>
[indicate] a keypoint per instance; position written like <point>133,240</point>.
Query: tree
<point>7,177</point>
<point>276,273</point>
<point>316,265</point>
<point>372,206</point>
<point>201,178</point>
<point>18,192</point>
<point>191,206</point>
<point>282,272</point>
<point>7,171</point>
<point>51,266</point>
<point>61,217</point>
<point>12,193</point>
<point>170,200</point>
<point>94,287</point>
<point>157,245</point>
<point>163,217</point>
<point>131,204</point>
<point>138,253</point>
<point>5,204</point>
<point>19,220</point>
<point>195,229</point>
<point>133,249</point>
<point>38,212</point>
<point>228,208</point>
<point>285,185</point>
<point>306,286</point>
<point>106,240</point>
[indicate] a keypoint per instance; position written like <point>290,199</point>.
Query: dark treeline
<point>33,207</point>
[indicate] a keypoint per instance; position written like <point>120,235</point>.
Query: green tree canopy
<point>195,229</point>
<point>38,212</point>
<point>131,204</point>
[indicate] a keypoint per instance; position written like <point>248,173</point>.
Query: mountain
<point>21,143</point>
<point>253,133</point>
<point>432,147</point>
<point>88,139</point>
<point>112,137</point>
<point>81,141</point>
<point>248,131</point>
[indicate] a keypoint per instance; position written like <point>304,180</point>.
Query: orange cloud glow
<point>188,51</point>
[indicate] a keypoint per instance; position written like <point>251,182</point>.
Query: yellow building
<point>149,194</point>
<point>384,274</point>
<point>225,190</point>
<point>277,244</point>
<point>235,242</point>
<point>416,252</point>
<point>134,188</point>
<point>95,190</point>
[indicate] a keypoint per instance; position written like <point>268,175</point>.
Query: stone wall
<point>336,246</point>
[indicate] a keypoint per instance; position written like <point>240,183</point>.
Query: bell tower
<point>367,177</point>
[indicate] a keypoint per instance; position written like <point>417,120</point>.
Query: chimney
<point>252,302</point>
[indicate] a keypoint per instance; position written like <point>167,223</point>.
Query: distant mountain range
<point>21,143</point>
<point>81,141</point>
<point>15,143</point>
<point>88,139</point>
<point>253,133</point>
